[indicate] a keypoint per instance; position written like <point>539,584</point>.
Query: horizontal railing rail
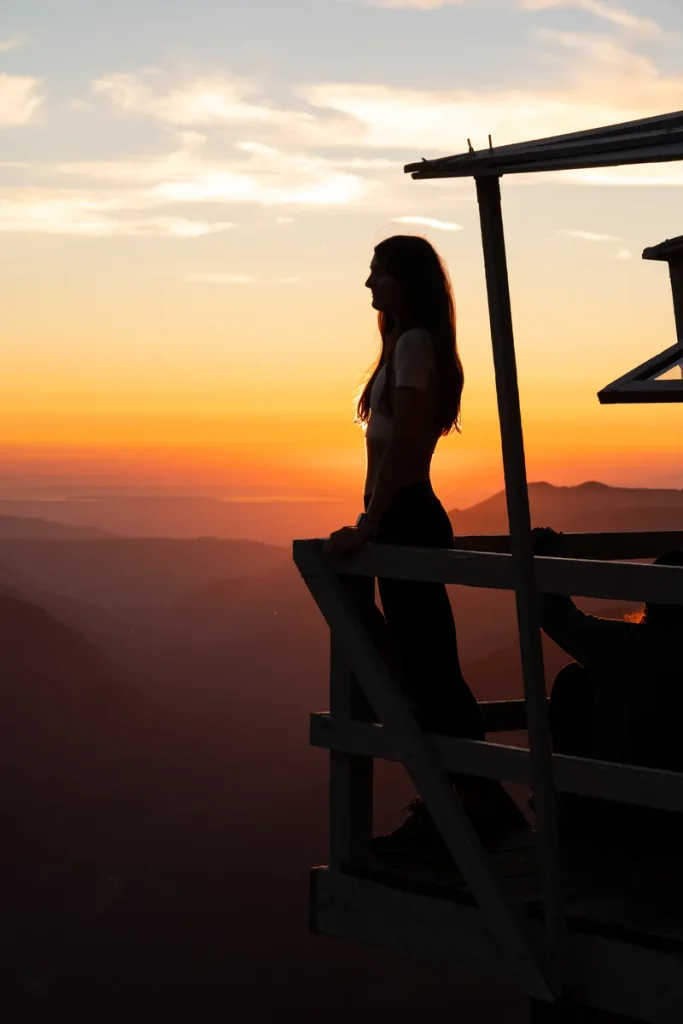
<point>626,581</point>
<point>601,546</point>
<point>503,715</point>
<point>605,780</point>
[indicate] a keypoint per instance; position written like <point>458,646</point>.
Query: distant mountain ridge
<point>132,571</point>
<point>585,508</point>
<point>26,528</point>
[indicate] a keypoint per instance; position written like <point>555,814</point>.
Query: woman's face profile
<point>385,290</point>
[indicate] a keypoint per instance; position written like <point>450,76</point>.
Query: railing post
<point>517,495</point>
<point>351,776</point>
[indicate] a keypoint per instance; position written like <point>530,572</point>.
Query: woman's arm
<point>404,453</point>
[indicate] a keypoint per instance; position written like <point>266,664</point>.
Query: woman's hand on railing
<point>348,539</point>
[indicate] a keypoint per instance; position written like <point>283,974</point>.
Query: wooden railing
<point>357,666</point>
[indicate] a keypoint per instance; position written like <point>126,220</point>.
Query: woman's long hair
<point>427,302</point>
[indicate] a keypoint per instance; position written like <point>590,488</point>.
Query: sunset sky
<point>189,197</point>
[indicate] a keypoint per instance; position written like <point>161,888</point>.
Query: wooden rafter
<point>641,384</point>
<point>648,140</point>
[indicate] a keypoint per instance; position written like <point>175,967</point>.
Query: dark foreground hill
<point>150,865</point>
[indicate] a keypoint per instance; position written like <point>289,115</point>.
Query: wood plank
<point>351,775</point>
<point>481,164</point>
<point>370,913</point>
<point>620,581</point>
<point>573,1013</point>
<point>604,780</point>
<point>426,772</point>
<point>503,715</point>
<point>599,546</point>
<point>651,367</point>
<point>645,392</point>
<point>605,972</point>
<point>659,121</point>
<point>676,281</point>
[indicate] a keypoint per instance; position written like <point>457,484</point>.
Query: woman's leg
<point>420,624</point>
<point>422,631</point>
<point>420,621</point>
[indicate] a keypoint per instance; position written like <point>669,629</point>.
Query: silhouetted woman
<point>411,399</point>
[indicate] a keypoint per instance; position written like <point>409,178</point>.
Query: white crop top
<point>414,367</point>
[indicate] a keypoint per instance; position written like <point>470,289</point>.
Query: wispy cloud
<point>72,212</point>
<point>216,278</point>
<point>20,96</point>
<point>142,195</point>
<point>593,236</point>
<point>14,42</point>
<point>201,102</point>
<point>645,175</point>
<point>604,9</point>
<point>416,5</point>
<point>330,144</point>
<point>605,82</point>
<point>430,222</point>
<point>588,236</point>
<point>256,174</point>
<point>607,10</point>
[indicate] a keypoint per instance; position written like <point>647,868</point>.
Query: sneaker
<point>495,819</point>
<point>418,836</point>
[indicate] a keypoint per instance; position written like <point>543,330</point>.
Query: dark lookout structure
<point>574,927</point>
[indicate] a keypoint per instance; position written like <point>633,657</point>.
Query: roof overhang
<point>648,140</point>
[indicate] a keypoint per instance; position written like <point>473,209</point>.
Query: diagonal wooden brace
<point>507,929</point>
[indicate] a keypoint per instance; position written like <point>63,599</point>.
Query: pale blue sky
<point>320,80</point>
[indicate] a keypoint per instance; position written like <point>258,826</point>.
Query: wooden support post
<point>516,490</point>
<point>676,278</point>
<point>351,775</point>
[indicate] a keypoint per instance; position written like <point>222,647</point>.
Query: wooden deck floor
<point>624,918</point>
<point>607,888</point>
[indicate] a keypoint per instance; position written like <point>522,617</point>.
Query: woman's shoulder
<point>415,336</point>
<point>415,343</point>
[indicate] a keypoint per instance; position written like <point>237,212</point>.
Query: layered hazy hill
<point>80,745</point>
<point>589,507</point>
<point>14,527</point>
<point>187,517</point>
<point>133,571</point>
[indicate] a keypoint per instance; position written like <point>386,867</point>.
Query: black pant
<point>418,618</point>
